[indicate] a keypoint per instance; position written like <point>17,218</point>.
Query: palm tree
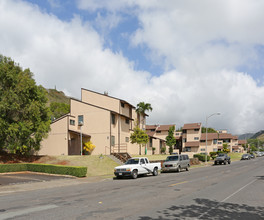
<point>142,107</point>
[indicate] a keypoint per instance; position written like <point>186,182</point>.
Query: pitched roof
<point>159,127</point>
<point>242,142</point>
<point>221,136</point>
<point>192,126</point>
<point>192,144</point>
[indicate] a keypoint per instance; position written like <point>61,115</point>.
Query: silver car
<point>176,163</point>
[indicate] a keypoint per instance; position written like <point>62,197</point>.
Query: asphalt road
<point>233,191</point>
<point>27,177</point>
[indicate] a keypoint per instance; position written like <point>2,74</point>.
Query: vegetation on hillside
<point>209,130</point>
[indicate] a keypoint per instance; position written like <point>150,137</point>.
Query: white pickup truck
<point>137,166</point>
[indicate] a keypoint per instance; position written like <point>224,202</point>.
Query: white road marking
<point>238,190</point>
<point>26,211</point>
<point>199,217</point>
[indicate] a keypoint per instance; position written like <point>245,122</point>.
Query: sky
<point>189,59</point>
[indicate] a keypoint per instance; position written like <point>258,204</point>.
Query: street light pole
<point>207,117</point>
<point>81,124</point>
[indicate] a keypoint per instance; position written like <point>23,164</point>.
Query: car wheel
<point>178,169</point>
<point>134,174</point>
<point>155,172</point>
<point>215,163</point>
<point>225,162</point>
<point>187,168</point>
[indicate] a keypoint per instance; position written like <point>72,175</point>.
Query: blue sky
<point>184,59</point>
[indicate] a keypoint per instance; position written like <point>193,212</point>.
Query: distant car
<point>222,159</point>
<point>176,163</point>
<point>245,157</point>
<point>252,156</point>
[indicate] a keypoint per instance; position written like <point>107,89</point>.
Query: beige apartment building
<point>104,120</point>
<point>194,141</point>
<point>157,137</point>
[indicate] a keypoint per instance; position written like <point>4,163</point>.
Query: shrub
<point>14,167</point>
<point>45,168</point>
<point>201,157</point>
<point>88,147</point>
<point>163,150</point>
<point>213,155</point>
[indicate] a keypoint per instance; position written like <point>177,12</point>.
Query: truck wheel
<point>229,161</point>
<point>225,162</point>
<point>155,172</point>
<point>134,174</point>
<point>215,163</point>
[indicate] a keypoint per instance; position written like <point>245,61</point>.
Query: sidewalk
<point>14,188</point>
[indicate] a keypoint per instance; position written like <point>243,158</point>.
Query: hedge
<point>201,157</point>
<point>44,168</point>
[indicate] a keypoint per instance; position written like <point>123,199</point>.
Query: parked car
<point>137,166</point>
<point>252,156</point>
<point>176,163</point>
<point>222,159</point>
<point>245,157</point>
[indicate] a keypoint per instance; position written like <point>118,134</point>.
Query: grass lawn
<point>96,166</point>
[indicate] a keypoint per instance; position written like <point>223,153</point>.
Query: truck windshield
<point>221,155</point>
<point>132,161</point>
<point>172,158</point>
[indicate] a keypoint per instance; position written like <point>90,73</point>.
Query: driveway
<point>28,177</point>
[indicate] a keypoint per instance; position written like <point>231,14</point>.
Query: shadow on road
<point>209,209</point>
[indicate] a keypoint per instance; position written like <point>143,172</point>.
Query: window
<point>202,140</point>
<point>196,129</point>
<point>127,139</point>
<point>152,129</point>
<point>158,131</point>
<point>202,149</point>
<point>184,140</point>
<point>122,105</point>
<point>215,149</point>
<point>188,149</point>
<point>196,138</point>
<point>184,131</point>
<point>150,142</point>
<point>214,141</point>
<point>142,161</point>
<point>113,119</point>
<point>72,122</point>
<point>127,121</point>
<point>80,120</point>
<point>112,140</point>
<point>219,142</point>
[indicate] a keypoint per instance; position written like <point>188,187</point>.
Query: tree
<point>24,115</point>
<point>59,109</point>
<point>142,107</point>
<point>209,130</point>
<point>139,137</point>
<point>170,139</point>
<point>225,148</point>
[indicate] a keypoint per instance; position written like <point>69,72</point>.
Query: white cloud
<point>202,43</point>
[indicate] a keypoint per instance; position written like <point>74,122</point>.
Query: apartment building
<point>194,141</point>
<point>104,120</point>
<point>157,137</point>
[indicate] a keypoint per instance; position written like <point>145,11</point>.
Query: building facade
<point>104,120</point>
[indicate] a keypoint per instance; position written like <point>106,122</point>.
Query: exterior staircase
<point>123,157</point>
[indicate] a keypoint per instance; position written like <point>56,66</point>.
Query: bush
<point>201,157</point>
<point>15,167</point>
<point>213,155</point>
<point>163,150</point>
<point>45,168</point>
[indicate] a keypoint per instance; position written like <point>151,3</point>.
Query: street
<point>233,191</point>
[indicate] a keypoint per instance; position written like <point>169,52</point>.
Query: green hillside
<point>57,96</point>
<point>58,102</point>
